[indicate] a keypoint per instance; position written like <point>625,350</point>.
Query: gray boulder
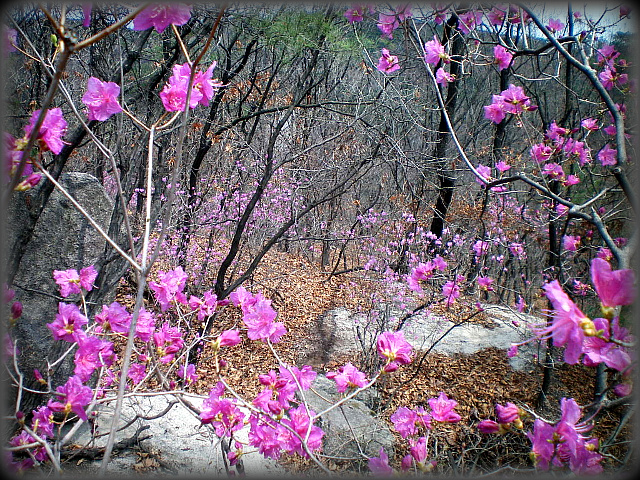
<point>63,238</point>
<point>351,429</point>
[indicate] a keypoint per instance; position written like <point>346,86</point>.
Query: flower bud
<point>16,310</point>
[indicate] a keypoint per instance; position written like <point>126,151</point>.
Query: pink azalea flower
<point>145,325</point>
<point>468,20</point>
<point>485,283</point>
<point>68,281</point>
<point>92,354</point>
<point>137,372</point>
<point>357,12</point>
<point>404,420</point>
<point>394,347</point>
<point>608,156</point>
<point>423,271</point>
<point>222,413</point>
<point>599,349</point>
<point>68,321</point>
<point>190,376</point>
<point>387,23</point>
<point>553,170</point>
<point>554,132</point>
<point>348,377</point>
<point>571,242</point>
<point>73,397</point>
<point>168,341</point>
<point>496,16</point>
<point>419,450</point>
<point>554,25</point>
<point>443,77</point>
<point>623,389</point>
<point>442,409</point>
<point>607,54</point>
<point>508,413</point>
<point>571,442</point>
<point>542,446</point>
<point>480,248</point>
<point>169,287</point>
<point>264,435</point>
<point>229,338</point>
<point>488,426</point>
<point>206,306</point>
<point>304,376</point>
<point>101,98</point>
<point>574,147</point>
<point>485,172</point>
<point>502,166</point>
<point>540,152</point>
<point>439,263</point>
<point>494,112</point>
<point>161,16</point>
<point>387,63</point>
<point>300,422</point>
<point>605,254</point>
<point>380,465</point>
<point>568,320</point>
<point>590,124</point>
<point>451,291</point>
<point>614,287</point>
<point>434,51</point>
<point>610,78</point>
<point>515,100</point>
<point>259,319</point>
<point>52,130</point>
<point>87,276</point>
<point>42,421</point>
<point>114,318</point>
<point>517,250</point>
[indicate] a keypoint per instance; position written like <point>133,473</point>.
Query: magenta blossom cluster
<point>258,315</point>
<point>425,271</point>
<point>610,76</point>
<point>388,22</point>
<point>602,340</point>
<point>273,437</point>
<point>564,444</point>
<point>174,93</point>
<point>221,412</point>
<point>49,138</point>
<point>512,100</point>
<point>71,281</point>
<point>348,377</point>
<point>413,424</point>
<point>169,287</point>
